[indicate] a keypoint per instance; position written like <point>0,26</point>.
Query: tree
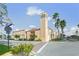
<point>57,24</point>
<point>3,13</point>
<point>62,26</point>
<point>32,35</point>
<point>78,25</point>
<point>57,21</point>
<point>17,36</point>
<point>4,16</point>
<point>0,36</point>
<point>55,16</point>
<point>4,19</point>
<point>77,30</point>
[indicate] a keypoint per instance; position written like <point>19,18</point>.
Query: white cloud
<point>32,26</point>
<point>17,29</point>
<point>49,18</point>
<point>74,28</point>
<point>71,31</point>
<point>33,11</point>
<point>53,23</point>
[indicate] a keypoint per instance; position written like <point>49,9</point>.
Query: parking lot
<point>65,48</point>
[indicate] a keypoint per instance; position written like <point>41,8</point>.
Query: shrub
<point>38,39</point>
<point>22,49</point>
<point>15,50</point>
<point>28,48</point>
<point>73,37</point>
<point>20,39</point>
<point>25,39</point>
<point>57,39</point>
<point>11,39</point>
<point>17,36</point>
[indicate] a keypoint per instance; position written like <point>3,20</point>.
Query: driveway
<point>65,48</point>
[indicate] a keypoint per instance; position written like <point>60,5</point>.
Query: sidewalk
<point>38,47</point>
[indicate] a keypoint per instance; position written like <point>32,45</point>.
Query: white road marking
<point>34,53</point>
<point>42,47</point>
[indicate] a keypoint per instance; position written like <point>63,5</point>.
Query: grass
<point>3,49</point>
<point>23,48</point>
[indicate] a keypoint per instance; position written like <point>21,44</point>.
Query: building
<point>44,33</point>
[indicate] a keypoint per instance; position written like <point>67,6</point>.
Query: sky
<point>27,15</point>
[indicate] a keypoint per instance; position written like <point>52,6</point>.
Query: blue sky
<point>27,15</point>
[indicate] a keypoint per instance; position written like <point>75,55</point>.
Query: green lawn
<point>3,49</point>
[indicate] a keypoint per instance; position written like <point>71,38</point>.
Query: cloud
<point>17,29</point>
<point>33,11</point>
<point>49,18</point>
<point>32,26</point>
<point>71,31</point>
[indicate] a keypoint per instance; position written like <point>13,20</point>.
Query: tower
<point>44,27</point>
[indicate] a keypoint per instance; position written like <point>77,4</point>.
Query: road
<point>14,42</point>
<point>60,49</point>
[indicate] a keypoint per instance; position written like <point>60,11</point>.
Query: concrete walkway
<point>38,48</point>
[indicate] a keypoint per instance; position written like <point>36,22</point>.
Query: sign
<point>8,29</point>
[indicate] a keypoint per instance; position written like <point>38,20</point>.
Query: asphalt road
<point>60,49</point>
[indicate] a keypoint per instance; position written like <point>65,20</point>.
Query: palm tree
<point>77,30</point>
<point>55,16</point>
<point>3,12</point>
<point>57,21</point>
<point>57,24</point>
<point>62,26</point>
<point>4,19</point>
<point>3,15</point>
<point>78,25</point>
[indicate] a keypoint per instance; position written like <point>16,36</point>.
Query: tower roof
<point>43,14</point>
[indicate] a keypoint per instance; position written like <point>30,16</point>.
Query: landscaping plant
<point>22,49</point>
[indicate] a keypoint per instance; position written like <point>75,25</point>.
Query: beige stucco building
<point>44,33</point>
